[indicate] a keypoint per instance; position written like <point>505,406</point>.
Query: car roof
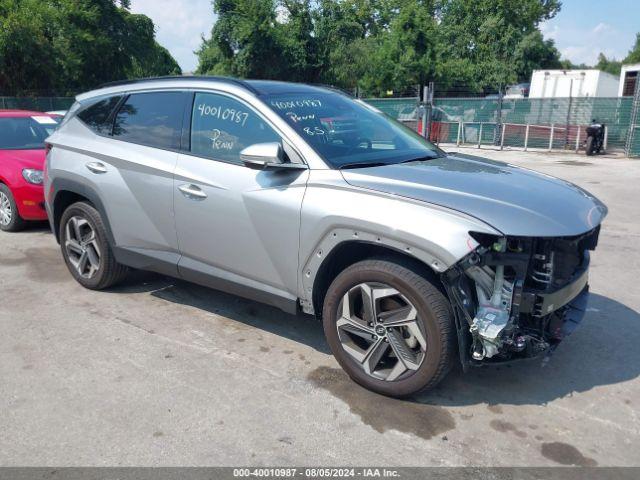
<point>273,87</point>
<point>255,87</point>
<point>22,113</point>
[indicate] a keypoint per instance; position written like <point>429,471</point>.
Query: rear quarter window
<point>98,115</point>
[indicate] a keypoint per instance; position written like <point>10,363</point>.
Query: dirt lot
<point>160,372</point>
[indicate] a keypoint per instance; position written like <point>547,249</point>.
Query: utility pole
<point>566,131</point>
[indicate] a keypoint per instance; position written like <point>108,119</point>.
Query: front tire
<point>389,328</point>
<point>86,250</point>
<point>10,219</point>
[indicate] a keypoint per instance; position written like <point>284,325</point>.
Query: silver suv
<point>306,199</point>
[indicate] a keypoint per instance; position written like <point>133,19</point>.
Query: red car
<point>22,156</point>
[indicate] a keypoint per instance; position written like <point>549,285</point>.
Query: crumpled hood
<point>513,200</point>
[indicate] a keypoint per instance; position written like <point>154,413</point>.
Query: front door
<point>238,228</point>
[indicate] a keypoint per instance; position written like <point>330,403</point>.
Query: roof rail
<point>201,78</point>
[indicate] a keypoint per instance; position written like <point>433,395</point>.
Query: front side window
<point>222,127</point>
<point>25,133</point>
<point>153,119</point>
<point>346,133</point>
<point>98,116</point>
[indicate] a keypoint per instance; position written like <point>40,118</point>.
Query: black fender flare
<point>61,185</point>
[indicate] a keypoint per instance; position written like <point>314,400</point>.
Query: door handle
<point>96,167</point>
<point>192,191</point>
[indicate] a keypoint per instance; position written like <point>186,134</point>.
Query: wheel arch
<point>348,252</point>
<point>68,192</point>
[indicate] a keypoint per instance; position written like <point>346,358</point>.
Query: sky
<point>581,30</point>
<point>180,25</point>
<point>584,28</point>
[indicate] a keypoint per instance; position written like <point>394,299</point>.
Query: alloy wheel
<point>378,327</point>
<point>5,209</point>
<point>81,246</point>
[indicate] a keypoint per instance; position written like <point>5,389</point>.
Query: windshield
<point>25,133</point>
<point>347,133</point>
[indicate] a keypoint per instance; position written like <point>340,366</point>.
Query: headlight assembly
<point>33,176</point>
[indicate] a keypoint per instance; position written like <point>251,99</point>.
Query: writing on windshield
<point>344,131</point>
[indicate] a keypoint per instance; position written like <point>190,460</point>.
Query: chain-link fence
<point>549,123</point>
<point>527,123</point>
<point>405,110</point>
<point>538,123</point>
<point>633,140</point>
<point>38,104</point>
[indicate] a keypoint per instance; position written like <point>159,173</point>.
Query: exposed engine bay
<point>518,297</point>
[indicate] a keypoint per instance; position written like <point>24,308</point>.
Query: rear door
<point>132,169</point>
<point>238,228</point>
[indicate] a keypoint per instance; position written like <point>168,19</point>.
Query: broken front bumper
<point>540,317</point>
<point>572,315</point>
<point>540,304</point>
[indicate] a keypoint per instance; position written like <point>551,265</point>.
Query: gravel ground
<point>161,372</point>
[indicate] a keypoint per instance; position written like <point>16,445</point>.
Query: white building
<point>628,78</point>
<point>573,83</point>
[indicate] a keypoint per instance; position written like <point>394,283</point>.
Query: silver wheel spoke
<point>75,225</point>
<point>5,209</point>
<point>400,317</point>
<point>82,263</point>
<point>368,303</point>
<point>82,247</point>
<point>73,246</point>
<point>402,351</point>
<point>94,258</point>
<point>414,329</point>
<point>396,371</point>
<point>378,328</point>
<point>374,355</point>
<point>355,327</point>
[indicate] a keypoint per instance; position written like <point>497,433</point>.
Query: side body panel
<point>334,212</point>
<point>246,230</point>
<point>136,187</point>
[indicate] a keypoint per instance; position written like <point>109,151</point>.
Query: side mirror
<point>266,156</point>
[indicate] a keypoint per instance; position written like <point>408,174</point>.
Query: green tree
<point>406,56</point>
<point>610,66</point>
<point>493,38</point>
<point>68,45</point>
<point>380,45</point>
<point>634,53</point>
<point>244,41</point>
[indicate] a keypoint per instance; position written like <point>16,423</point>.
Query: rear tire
<point>10,219</point>
<point>589,146</point>
<point>86,250</point>
<point>422,349</point>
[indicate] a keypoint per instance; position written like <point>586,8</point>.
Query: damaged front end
<point>518,297</point>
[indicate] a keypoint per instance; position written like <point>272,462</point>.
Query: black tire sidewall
<point>90,214</point>
<point>589,146</point>
<point>361,273</point>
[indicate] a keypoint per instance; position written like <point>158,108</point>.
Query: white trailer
<point>628,78</point>
<point>573,83</point>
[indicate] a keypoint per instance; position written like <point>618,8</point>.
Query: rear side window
<point>98,116</point>
<point>153,119</point>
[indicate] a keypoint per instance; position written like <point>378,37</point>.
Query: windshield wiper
<point>362,165</point>
<point>421,159</point>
